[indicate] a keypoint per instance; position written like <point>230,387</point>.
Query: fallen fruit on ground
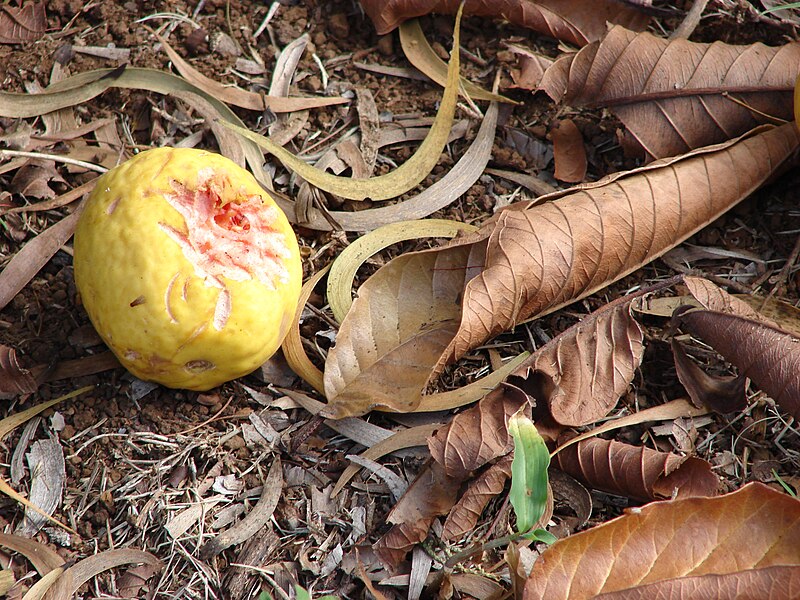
<point>187,268</point>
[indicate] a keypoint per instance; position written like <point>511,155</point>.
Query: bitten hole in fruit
<point>231,217</point>
<point>199,366</point>
<point>229,233</point>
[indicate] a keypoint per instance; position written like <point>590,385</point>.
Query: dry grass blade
<point>58,96</point>
<point>420,54</point>
<point>63,94</point>
<point>43,558</point>
<point>344,268</point>
<point>39,589</point>
<point>634,550</point>
<point>239,97</point>
<point>34,255</point>
<point>396,182</point>
<point>292,346</point>
<point>85,569</point>
<point>444,192</point>
<point>676,95</point>
<point>6,489</point>
<point>254,520</point>
<point>664,412</point>
<point>9,424</point>
<point>405,438</point>
<point>473,391</point>
<point>360,431</point>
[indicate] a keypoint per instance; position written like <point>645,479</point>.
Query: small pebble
<point>339,25</point>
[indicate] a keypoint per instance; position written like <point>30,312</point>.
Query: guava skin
<point>187,268</point>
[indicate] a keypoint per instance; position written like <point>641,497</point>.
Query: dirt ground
<point>137,457</point>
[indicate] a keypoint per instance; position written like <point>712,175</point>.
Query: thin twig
<point>691,21</point>
<point>54,157</point>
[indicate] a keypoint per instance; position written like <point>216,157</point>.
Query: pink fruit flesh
<point>229,235</point>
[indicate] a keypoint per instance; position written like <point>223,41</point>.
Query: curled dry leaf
<point>430,495</point>
<point>530,259</point>
<point>711,540</point>
<point>464,516</point>
<point>676,95</point>
<point>722,394</point>
<point>579,375</point>
<point>636,471</point>
<point>573,21</point>
<point>766,354</point>
<point>479,434</point>
<point>14,380</point>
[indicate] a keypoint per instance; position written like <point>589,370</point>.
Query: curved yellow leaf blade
<point>343,269</point>
<point>394,183</point>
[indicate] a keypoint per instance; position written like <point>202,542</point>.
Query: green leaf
<point>528,472</point>
<point>541,535</point>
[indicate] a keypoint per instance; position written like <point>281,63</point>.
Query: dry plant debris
<point>645,318</point>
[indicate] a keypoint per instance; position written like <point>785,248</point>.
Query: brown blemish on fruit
<point>222,311</point>
<point>199,366</point>
<point>168,300</point>
<point>113,206</point>
<point>132,355</point>
<point>228,233</point>
<point>138,301</point>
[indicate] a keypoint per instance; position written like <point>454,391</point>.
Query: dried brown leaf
<point>767,355</point>
<point>676,95</point>
<point>431,494</point>
<point>768,583</point>
<point>573,21</point>
<point>479,434</point>
<point>48,480</point>
<point>530,259</point>
<point>530,68</point>
<point>719,393</point>
<point>34,255</point>
<point>82,571</point>
<point>582,373</point>
<point>24,23</point>
<point>43,558</point>
<point>568,152</point>
<point>709,539</point>
<point>636,471</point>
<point>467,511</point>
<point>14,380</point>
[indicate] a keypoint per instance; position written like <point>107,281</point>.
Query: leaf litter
<point>606,357</point>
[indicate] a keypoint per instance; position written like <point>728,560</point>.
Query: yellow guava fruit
<point>187,268</point>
